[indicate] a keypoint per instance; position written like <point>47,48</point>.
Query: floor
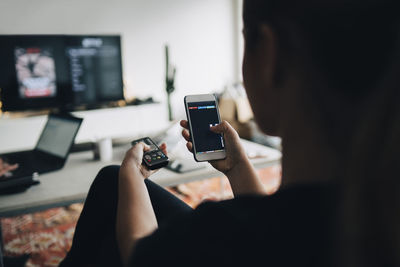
<point>47,235</point>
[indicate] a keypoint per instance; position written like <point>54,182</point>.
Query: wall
<point>202,35</point>
<point>238,30</point>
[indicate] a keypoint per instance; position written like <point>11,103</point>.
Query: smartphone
<point>154,158</point>
<point>202,113</point>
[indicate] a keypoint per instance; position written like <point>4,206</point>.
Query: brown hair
<point>356,45</point>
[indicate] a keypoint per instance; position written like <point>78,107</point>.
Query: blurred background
<point>124,67</point>
<point>203,37</point>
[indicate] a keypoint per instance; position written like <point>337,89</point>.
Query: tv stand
<point>138,101</point>
<point>20,133</point>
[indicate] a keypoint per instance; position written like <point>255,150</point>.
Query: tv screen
<point>95,68</point>
<point>33,73</point>
<point>59,71</point>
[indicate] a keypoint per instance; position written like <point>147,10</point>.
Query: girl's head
<point>331,53</point>
<point>330,70</point>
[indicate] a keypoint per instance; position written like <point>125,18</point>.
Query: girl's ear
<point>268,52</point>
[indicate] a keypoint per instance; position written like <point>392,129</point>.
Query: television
<point>59,71</point>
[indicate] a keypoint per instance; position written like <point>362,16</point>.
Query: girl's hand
<point>235,154</point>
<point>134,158</point>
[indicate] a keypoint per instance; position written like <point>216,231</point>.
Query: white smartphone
<point>202,113</point>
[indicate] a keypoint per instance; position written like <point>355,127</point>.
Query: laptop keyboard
<point>29,162</point>
<point>22,158</point>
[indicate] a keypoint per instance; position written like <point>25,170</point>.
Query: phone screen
<point>203,115</point>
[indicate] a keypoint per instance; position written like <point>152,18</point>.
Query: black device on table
<point>155,157</point>
<point>50,153</point>
<point>64,72</point>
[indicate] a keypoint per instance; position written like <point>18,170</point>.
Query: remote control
<point>154,158</point>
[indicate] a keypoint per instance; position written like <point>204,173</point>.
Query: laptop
<point>51,151</point>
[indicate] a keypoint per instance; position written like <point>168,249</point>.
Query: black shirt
<point>289,228</point>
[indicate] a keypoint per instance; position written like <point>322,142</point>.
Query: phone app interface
<point>203,115</point>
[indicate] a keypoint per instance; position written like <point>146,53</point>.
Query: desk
<point>71,184</point>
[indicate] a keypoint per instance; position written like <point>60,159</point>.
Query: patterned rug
<point>47,235</point>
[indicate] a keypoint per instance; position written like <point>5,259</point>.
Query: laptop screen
<point>58,135</point>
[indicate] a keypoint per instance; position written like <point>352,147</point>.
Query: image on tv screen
<point>36,73</point>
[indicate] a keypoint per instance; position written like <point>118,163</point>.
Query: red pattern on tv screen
<point>35,69</point>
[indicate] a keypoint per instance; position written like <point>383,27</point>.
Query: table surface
<point>71,184</point>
